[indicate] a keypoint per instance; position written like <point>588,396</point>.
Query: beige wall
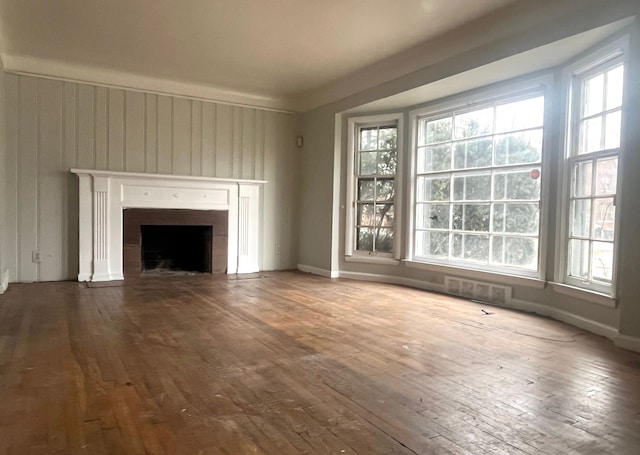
<point>323,229</point>
<point>53,126</point>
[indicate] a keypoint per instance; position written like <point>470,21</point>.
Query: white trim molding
<point>4,281</point>
<point>72,72</point>
<point>318,271</point>
<point>627,342</point>
<point>104,195</point>
<point>584,294</point>
<point>486,275</point>
<point>589,325</point>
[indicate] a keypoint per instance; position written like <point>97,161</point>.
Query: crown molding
<point>79,73</point>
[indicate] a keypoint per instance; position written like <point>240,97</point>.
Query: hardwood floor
<point>288,363</point>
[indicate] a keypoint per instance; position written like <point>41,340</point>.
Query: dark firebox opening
<point>176,248</point>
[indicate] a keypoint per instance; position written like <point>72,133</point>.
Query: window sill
<point>372,260</point>
<point>496,277</point>
<point>585,294</point>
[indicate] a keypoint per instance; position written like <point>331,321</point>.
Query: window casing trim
<point>355,123</point>
<point>607,55</point>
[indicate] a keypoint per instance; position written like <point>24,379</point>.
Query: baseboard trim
<point>4,281</point>
<point>627,342</point>
<point>317,271</point>
<point>418,284</point>
<point>589,325</point>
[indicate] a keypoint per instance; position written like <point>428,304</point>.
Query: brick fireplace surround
<point>214,253</point>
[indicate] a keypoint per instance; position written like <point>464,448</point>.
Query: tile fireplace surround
<point>103,195</point>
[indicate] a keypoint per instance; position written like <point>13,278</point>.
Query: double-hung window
<point>373,187</point>
<point>592,156</point>
<point>477,185</point>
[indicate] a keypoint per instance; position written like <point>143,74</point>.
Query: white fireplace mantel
<point>103,195</point>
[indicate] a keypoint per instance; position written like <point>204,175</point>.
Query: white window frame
<point>354,124</point>
<point>608,55</point>
<point>541,83</point>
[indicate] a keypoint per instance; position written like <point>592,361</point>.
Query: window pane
<point>581,217</point>
<point>606,176</point>
<point>472,188</point>
<point>474,123</point>
<point>369,138</point>
<point>433,216</point>
<point>519,148</point>
<point>433,189</point>
<point>602,261</point>
<point>437,158</point>
<point>385,189</point>
<point>368,163</point>
<point>593,95</point>
<point>604,216</point>
<point>471,217</point>
<point>516,185</point>
<point>615,79</point>
<point>579,258</point>
<point>387,138</point>
<point>365,215</point>
<point>471,247</point>
<point>582,179</point>
<point>516,218</point>
<point>387,162</point>
<point>515,251</point>
<point>591,135</point>
<point>473,153</point>
<point>384,240</point>
<point>497,250</point>
<point>613,123</point>
<point>456,246</point>
<point>364,238</point>
<point>384,215</point>
<point>520,115</point>
<point>366,189</point>
<point>429,243</point>
<point>436,131</point>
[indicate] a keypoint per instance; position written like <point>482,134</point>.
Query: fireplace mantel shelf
<point>103,195</point>
<point>172,177</point>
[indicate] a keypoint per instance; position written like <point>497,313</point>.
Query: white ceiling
<point>259,52</point>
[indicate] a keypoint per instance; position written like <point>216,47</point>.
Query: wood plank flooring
<point>289,363</point>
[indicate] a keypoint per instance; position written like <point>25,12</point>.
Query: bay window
<point>477,185</point>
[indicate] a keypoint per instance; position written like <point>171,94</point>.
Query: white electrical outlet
<point>35,256</point>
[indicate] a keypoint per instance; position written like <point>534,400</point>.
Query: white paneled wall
<point>53,126</point>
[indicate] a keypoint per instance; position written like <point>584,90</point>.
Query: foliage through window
<point>477,180</point>
<point>376,159</point>
<point>593,164</point>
